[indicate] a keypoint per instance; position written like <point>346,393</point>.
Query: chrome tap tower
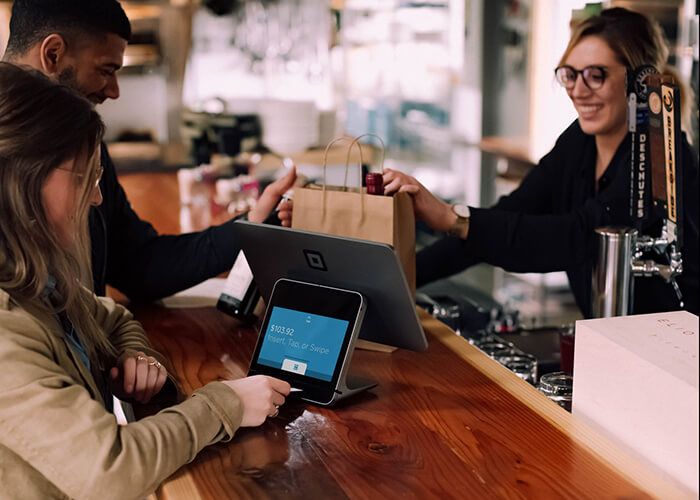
<point>620,260</point>
<point>623,252</point>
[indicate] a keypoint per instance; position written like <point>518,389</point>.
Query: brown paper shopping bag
<point>353,213</point>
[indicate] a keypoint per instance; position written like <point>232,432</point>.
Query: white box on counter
<point>636,381</point>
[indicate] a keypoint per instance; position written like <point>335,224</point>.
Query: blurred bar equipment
<point>655,126</point>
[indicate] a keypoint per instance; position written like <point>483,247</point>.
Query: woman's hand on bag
<point>137,377</point>
<point>427,207</point>
<point>271,196</point>
<point>261,395</point>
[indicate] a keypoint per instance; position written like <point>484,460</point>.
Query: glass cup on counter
<point>523,365</point>
<point>559,387</point>
<point>496,349</point>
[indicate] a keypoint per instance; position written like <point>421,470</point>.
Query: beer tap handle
<point>678,291</point>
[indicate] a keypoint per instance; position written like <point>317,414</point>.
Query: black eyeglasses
<point>593,76</point>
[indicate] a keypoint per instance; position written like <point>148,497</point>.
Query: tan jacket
<point>56,438</point>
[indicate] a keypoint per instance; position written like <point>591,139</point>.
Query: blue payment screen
<point>302,343</point>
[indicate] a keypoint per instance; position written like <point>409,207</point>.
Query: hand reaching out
<point>427,207</point>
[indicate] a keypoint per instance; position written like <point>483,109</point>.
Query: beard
<point>69,77</point>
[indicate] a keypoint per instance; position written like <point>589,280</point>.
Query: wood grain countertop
<point>445,423</point>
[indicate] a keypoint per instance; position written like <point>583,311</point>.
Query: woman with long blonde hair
<point>63,351</point>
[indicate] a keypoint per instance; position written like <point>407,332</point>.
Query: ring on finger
<point>155,363</point>
<point>141,358</point>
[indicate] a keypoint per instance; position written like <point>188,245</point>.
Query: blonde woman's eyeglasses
<point>593,76</point>
<point>100,171</point>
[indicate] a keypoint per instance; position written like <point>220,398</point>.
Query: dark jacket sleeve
<point>129,255</point>
<point>540,227</point>
<point>528,230</point>
<point>448,256</point>
<point>527,243</point>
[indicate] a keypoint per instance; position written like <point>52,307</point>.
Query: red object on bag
<point>375,183</point>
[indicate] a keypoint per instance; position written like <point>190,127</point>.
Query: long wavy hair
<point>42,125</point>
<point>636,40</point>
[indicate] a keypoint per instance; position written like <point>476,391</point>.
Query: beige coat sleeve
<point>123,330</point>
<point>51,422</point>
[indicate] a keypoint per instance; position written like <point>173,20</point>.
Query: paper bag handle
<point>325,164</point>
<point>359,145</point>
<point>347,166</point>
<point>355,141</point>
<point>325,159</point>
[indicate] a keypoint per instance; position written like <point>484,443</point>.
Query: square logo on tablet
<point>315,260</point>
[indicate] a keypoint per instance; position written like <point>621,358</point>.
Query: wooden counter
<point>445,423</point>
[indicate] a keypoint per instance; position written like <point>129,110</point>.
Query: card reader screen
<point>302,343</point>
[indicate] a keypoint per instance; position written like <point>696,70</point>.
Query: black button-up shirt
<point>548,224</point>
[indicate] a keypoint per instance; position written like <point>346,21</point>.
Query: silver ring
<point>154,363</point>
<point>141,358</point>
<point>277,411</point>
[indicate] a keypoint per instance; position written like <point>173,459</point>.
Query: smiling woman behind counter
<point>63,351</point>
<point>548,223</point>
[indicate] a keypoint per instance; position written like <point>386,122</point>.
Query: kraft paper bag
<point>353,213</point>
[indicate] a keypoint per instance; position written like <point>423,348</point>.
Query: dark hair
<point>42,119</point>
<point>34,20</point>
<point>635,39</point>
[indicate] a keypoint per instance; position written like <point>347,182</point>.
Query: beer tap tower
<point>655,190</point>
